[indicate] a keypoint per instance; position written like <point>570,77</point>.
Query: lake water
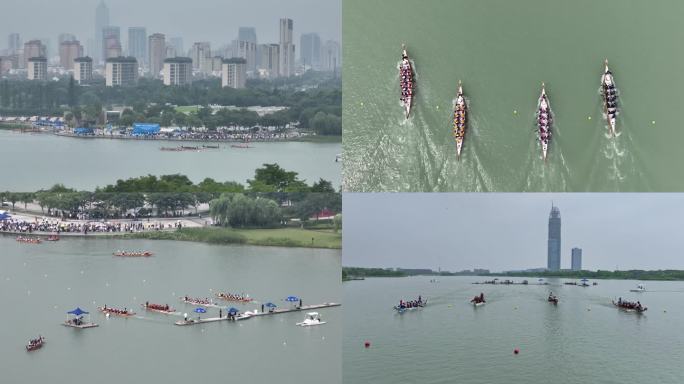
<point>502,50</point>
<point>40,283</point>
<point>35,161</point>
<point>584,339</point>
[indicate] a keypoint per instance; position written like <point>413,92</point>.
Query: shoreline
<point>307,138</point>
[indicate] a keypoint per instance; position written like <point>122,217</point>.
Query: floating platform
<point>249,315</point>
<point>79,326</point>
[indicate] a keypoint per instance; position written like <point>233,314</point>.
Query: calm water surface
<point>502,50</point>
<point>39,161</point>
<point>582,340</point>
<point>39,283</point>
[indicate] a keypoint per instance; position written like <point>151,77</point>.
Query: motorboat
<point>312,318</point>
<point>639,288</point>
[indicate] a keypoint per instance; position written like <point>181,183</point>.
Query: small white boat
<point>479,304</point>
<point>639,288</point>
<point>312,318</point>
<point>610,98</point>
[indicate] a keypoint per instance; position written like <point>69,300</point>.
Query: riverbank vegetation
<point>312,101</point>
<point>278,237</point>
<point>357,273</point>
<point>634,274</point>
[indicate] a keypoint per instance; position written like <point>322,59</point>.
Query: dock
<point>249,315</point>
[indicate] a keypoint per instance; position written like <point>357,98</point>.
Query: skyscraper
<point>137,43</point>
<point>201,56</point>
<point>310,50</point>
<point>101,21</point>
<point>157,53</point>
<point>287,49</point>
<point>33,48</point>
<point>247,34</point>
<point>330,57</point>
<point>111,42</point>
<point>121,71</point>
<point>68,51</point>
<point>233,73</point>
<point>246,50</point>
<point>177,71</point>
<point>269,60</point>
<point>577,259</point>
<point>554,242</point>
<point>13,43</point>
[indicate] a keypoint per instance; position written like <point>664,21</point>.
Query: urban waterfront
<point>582,339</point>
<point>43,160</point>
<point>39,283</point>
<point>503,51</point>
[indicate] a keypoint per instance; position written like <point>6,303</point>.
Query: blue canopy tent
<point>200,310</point>
<point>140,129</point>
<point>83,131</point>
<point>293,299</point>
<point>5,216</point>
<point>233,311</point>
<point>270,306</point>
<point>77,312</point>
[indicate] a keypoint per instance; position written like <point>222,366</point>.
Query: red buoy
<point>516,351</point>
<point>366,344</point>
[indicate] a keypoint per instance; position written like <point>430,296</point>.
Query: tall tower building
<point>201,56</point>
<point>68,51</point>
<point>576,259</point>
<point>111,42</point>
<point>101,21</point>
<point>554,242</point>
<point>157,50</point>
<point>310,50</point>
<point>330,56</point>
<point>269,60</point>
<point>287,48</point>
<point>247,34</point>
<point>246,50</point>
<point>137,43</point>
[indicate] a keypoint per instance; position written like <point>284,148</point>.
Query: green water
<point>502,50</point>
<point>40,283</point>
<point>38,161</point>
<point>584,339</point>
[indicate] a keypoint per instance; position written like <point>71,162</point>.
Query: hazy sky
<point>509,231</point>
<point>216,21</point>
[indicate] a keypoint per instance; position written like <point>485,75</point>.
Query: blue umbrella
<point>292,298</point>
<point>200,310</point>
<point>270,305</point>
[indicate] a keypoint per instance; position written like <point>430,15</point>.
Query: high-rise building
<point>287,48</point>
<point>201,56</point>
<point>177,71</point>
<point>177,44</point>
<point>121,71</point>
<point>269,61</point>
<point>246,50</point>
<point>310,50</point>
<point>137,43</point>
<point>576,259</point>
<point>554,242</point>
<point>37,68</point>
<point>157,49</point>
<point>234,73</point>
<point>101,21</point>
<point>247,34</point>
<point>68,51</point>
<point>330,56</point>
<point>66,37</point>
<point>111,42</point>
<point>13,43</point>
<point>33,48</point>
<point>83,69</point>
<point>216,65</point>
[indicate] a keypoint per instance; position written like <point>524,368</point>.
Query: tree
<point>273,178</point>
<point>322,186</point>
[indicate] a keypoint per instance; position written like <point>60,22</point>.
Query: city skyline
<point>219,28</point>
<point>509,231</point>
